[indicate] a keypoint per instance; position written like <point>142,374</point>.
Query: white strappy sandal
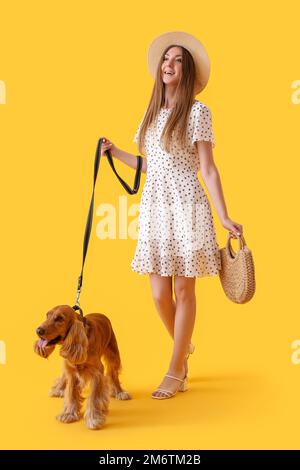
<point>190,351</point>
<point>184,382</point>
<point>166,393</point>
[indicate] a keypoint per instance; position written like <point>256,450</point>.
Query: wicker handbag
<point>237,274</point>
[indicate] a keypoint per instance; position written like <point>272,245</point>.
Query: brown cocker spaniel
<point>83,345</point>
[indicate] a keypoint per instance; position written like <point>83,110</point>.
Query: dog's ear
<point>75,346</point>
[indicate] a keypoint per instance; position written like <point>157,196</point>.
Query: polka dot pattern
<point>203,125</point>
<point>176,232</point>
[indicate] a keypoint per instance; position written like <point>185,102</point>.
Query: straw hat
<point>193,45</point>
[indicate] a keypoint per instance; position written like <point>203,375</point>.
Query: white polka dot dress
<point>176,233</point>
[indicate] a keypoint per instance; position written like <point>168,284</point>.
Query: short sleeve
<point>202,127</point>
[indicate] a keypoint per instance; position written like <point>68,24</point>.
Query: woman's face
<point>171,67</point>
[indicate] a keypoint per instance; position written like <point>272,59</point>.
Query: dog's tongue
<point>42,343</point>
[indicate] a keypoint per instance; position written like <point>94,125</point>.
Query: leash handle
<point>88,227</point>
<point>137,178</point>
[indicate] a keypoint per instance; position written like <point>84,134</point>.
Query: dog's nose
<point>40,331</point>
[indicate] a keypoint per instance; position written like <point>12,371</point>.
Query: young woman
<point>176,228</point>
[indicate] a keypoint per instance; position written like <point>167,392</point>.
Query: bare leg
<point>163,298</point>
<point>183,328</point>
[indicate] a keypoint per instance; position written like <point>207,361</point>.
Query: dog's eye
<point>59,318</point>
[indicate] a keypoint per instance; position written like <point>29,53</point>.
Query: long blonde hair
<point>184,98</point>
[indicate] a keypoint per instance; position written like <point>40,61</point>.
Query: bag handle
<point>88,227</point>
<point>242,243</point>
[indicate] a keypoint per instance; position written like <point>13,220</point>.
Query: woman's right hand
<point>107,145</point>
<point>234,228</point>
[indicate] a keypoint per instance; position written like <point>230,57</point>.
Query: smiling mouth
<point>44,342</point>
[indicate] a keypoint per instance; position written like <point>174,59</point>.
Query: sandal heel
<point>184,386</point>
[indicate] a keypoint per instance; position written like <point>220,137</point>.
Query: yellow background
<point>75,71</point>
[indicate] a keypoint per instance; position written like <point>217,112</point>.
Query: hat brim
<point>189,42</point>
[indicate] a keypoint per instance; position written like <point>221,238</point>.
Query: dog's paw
<point>68,417</point>
<point>122,395</point>
<point>94,421</point>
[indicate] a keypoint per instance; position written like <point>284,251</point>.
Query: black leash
<point>91,210</point>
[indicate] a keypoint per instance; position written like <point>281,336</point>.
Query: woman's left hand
<point>234,228</point>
